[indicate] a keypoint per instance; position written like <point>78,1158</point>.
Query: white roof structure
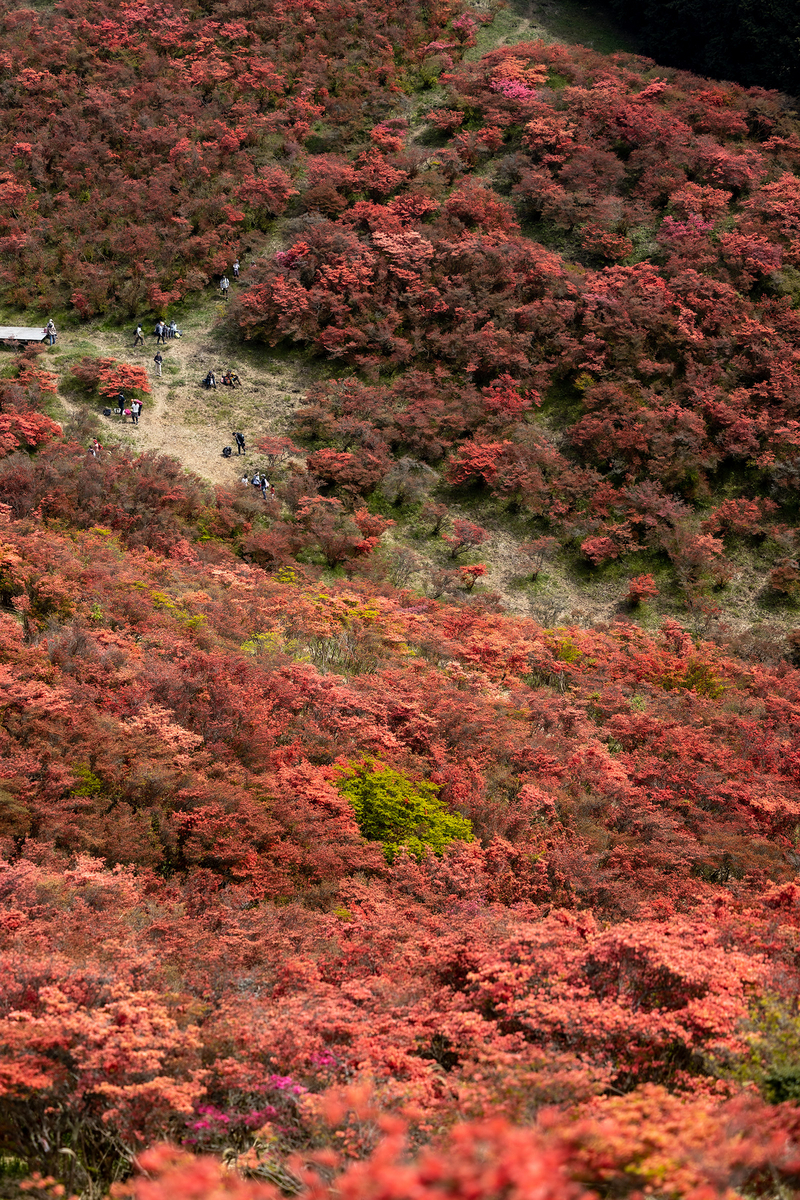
<point>22,333</point>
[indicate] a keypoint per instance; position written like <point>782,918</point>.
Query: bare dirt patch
<point>182,418</point>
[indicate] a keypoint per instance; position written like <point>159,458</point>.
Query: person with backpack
<point>158,360</point>
<point>50,332</point>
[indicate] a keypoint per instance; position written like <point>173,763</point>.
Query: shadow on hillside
<point>589,25</point>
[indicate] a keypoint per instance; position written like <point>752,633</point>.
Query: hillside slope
<point>324,874</point>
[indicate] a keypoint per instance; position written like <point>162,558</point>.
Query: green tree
<point>398,812</point>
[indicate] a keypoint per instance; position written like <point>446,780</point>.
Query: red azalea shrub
<point>641,588</point>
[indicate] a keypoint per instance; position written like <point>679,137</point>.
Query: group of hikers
<point>132,408</point>
<point>261,482</point>
<point>124,408</point>
<point>161,332</point>
<point>228,379</point>
<point>225,283</point>
<point>240,447</point>
<point>258,480</point>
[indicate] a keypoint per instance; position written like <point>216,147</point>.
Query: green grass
<point>505,28</point>
<point>586,24</point>
<point>566,21</point>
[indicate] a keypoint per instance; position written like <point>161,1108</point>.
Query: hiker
<point>239,439</point>
<point>231,379</point>
<point>138,338</point>
<point>224,284</point>
<point>173,329</point>
<point>94,447</point>
<point>246,480</point>
<point>264,486</point>
<point>256,480</point>
<point>161,333</point>
<point>236,269</point>
<point>50,332</point>
<point>158,360</point>
<point>210,381</point>
<point>136,408</point>
<point>226,452</point>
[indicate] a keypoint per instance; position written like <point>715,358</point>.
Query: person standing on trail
<point>240,447</point>
<point>236,269</point>
<point>138,337</point>
<point>136,408</point>
<point>50,332</point>
<point>224,284</point>
<point>158,360</point>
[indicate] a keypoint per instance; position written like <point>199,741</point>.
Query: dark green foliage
<point>783,1084</point>
<point>756,43</point>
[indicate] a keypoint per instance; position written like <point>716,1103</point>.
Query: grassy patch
<point>566,21</point>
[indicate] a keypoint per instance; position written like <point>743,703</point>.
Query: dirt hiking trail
<point>181,417</point>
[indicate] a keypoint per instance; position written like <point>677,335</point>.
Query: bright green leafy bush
<point>399,812</point>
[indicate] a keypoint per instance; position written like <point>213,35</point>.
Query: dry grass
<point>182,418</point>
